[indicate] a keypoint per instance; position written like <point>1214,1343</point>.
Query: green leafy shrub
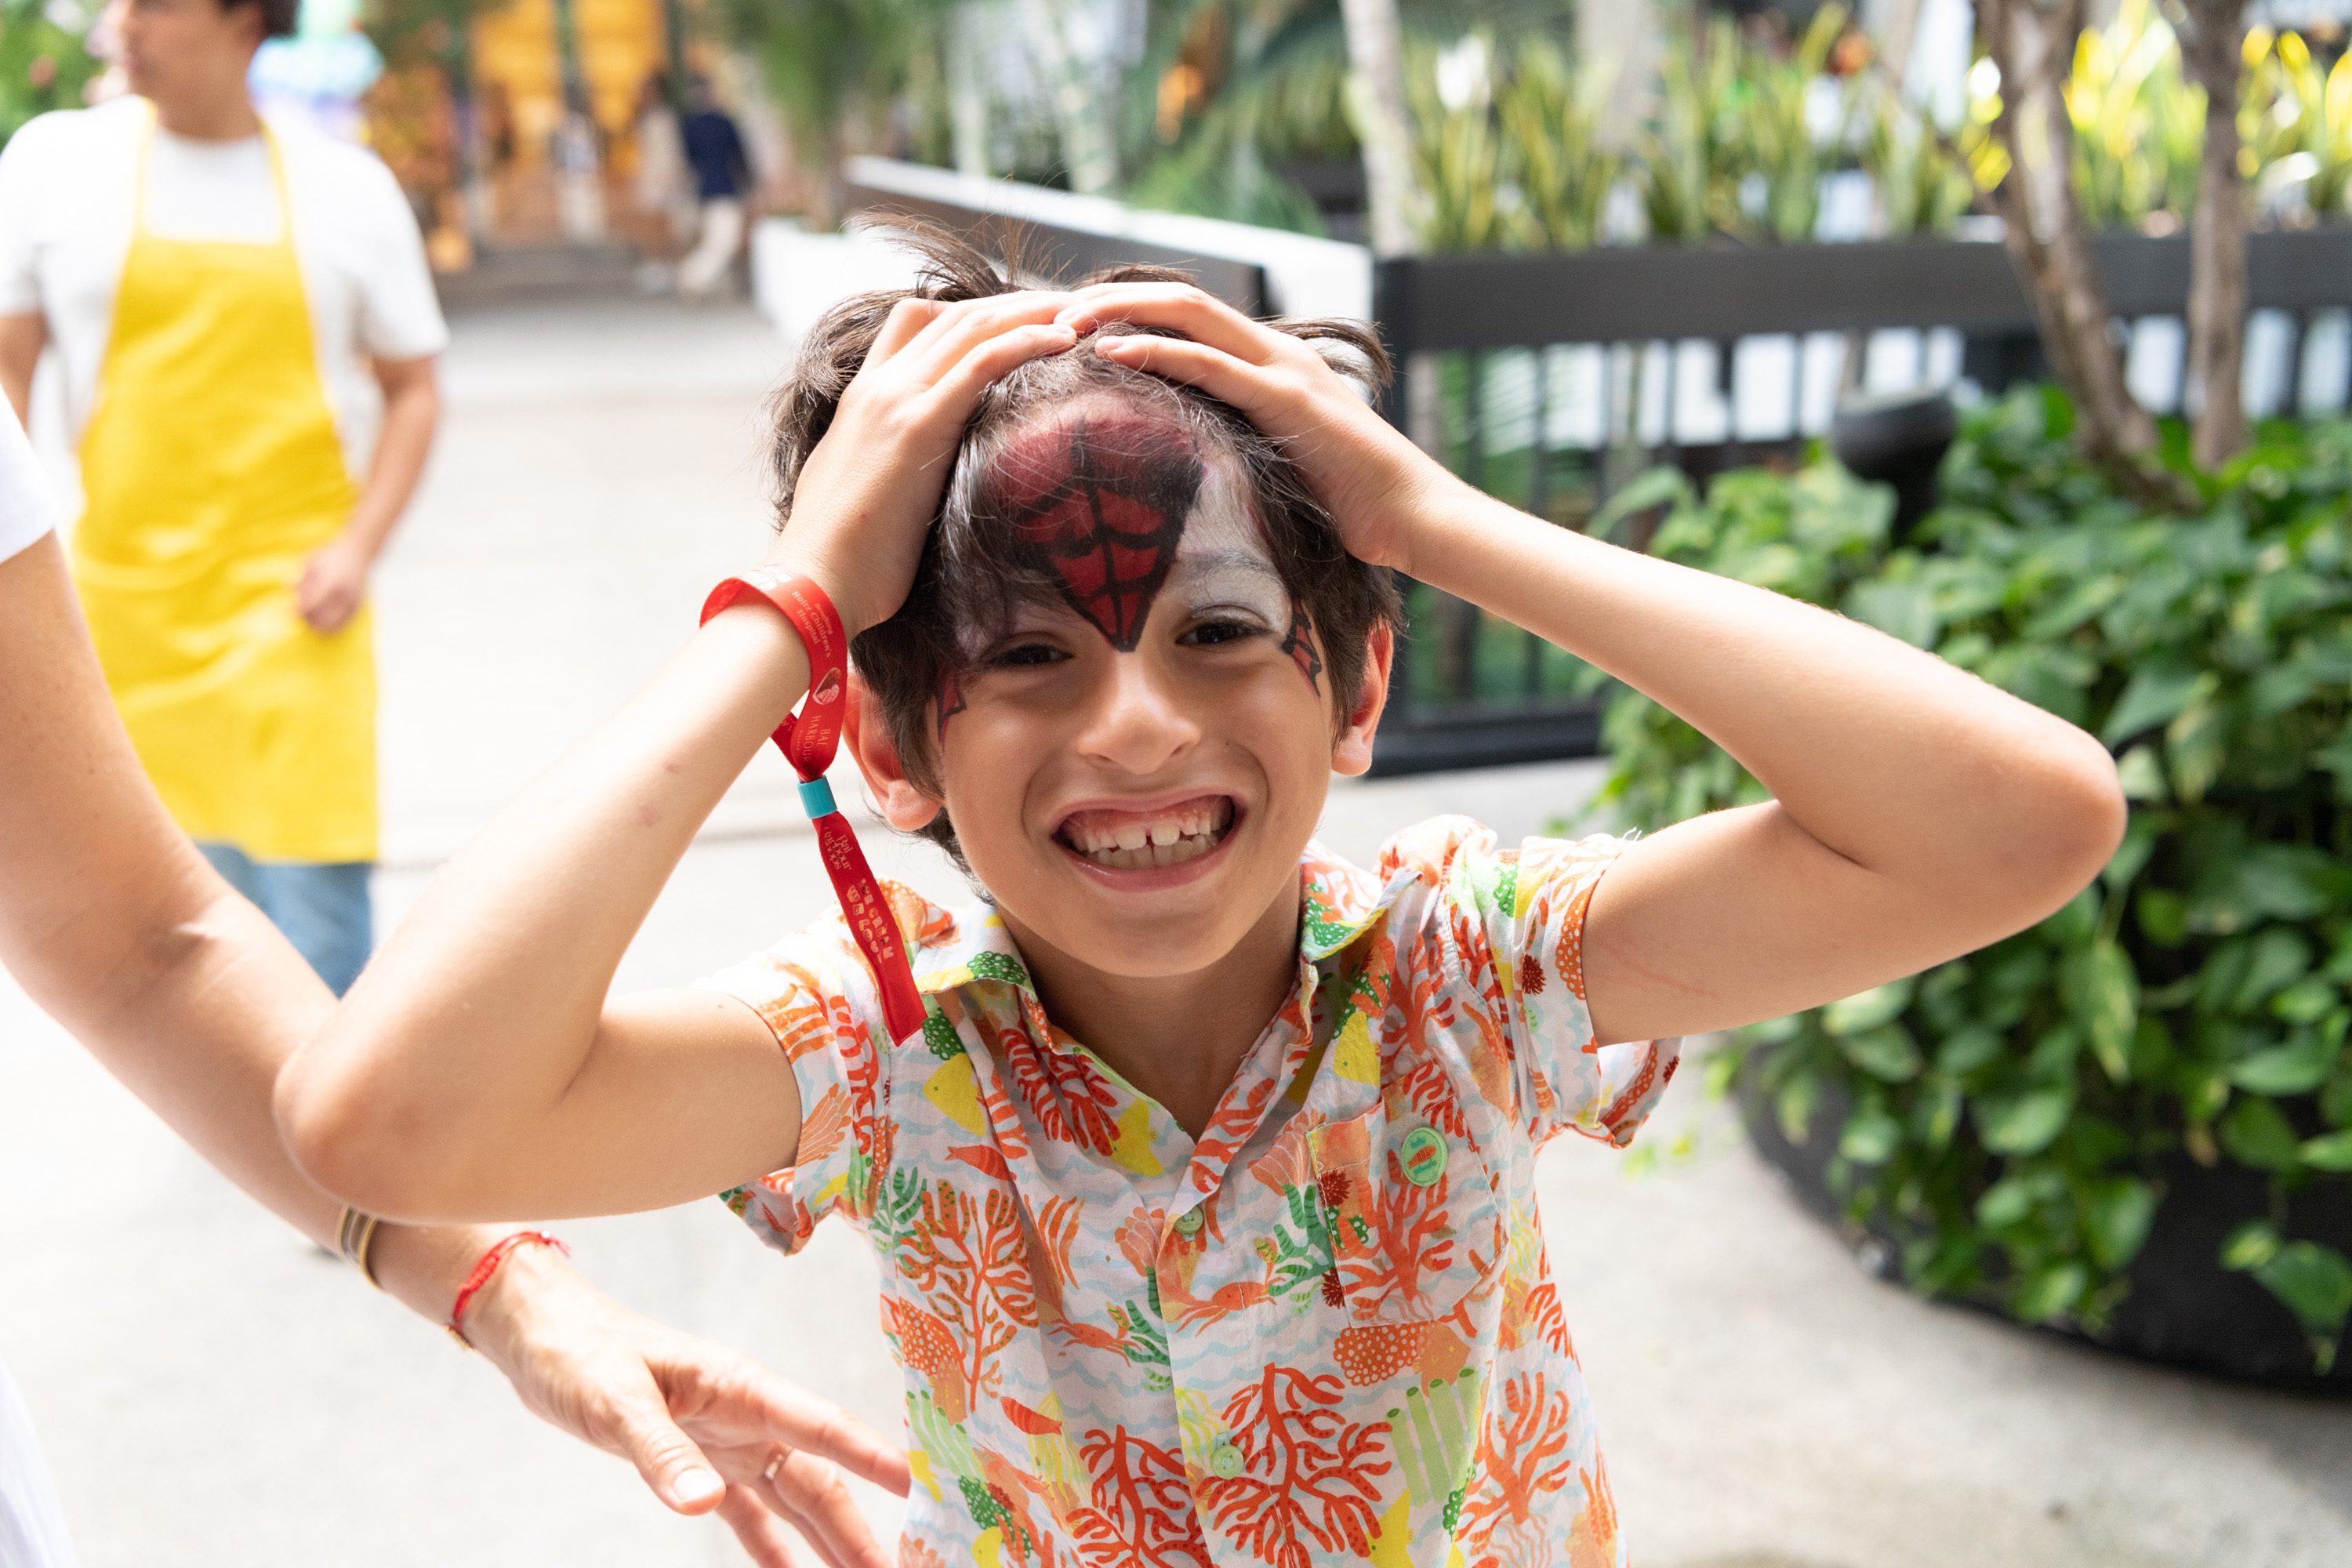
<point>2008,1116</point>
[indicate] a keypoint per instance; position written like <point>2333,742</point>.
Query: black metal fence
<point>1550,379</point>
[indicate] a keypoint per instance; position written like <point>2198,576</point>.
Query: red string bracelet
<point>489,1265</point>
<point>808,740</point>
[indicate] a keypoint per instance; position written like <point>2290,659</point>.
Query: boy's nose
<point>1135,723</point>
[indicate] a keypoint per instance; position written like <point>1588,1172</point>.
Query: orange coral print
<point>1309,1475</point>
<point>824,1128</point>
<point>1140,1515</point>
<point>967,1258</point>
<point>1527,1457</point>
<point>1407,1236</point>
<point>1069,1100</point>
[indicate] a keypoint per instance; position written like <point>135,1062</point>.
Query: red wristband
<point>488,1267</point>
<point>809,739</point>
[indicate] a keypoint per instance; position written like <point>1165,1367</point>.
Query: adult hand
<point>867,493</point>
<point>708,1428</point>
<point>334,582</point>
<point>1373,478</point>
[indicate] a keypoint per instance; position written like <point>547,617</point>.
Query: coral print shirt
<point>1324,1332</point>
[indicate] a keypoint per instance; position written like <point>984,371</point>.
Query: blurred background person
<point>664,199</point>
<point>226,301</point>
<point>722,180</point>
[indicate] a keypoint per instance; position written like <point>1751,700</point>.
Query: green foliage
<point>2010,1114</point>
<point>1922,188</point>
<point>2295,121</point>
<point>1550,113</point>
<point>837,66</point>
<point>2139,124</point>
<point>1509,151</point>
<point>44,62</point>
<point>1731,149</point>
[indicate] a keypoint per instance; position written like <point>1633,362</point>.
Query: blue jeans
<point>324,909</point>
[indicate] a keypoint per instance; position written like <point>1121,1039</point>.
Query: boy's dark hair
<point>972,578</point>
<point>278,17</point>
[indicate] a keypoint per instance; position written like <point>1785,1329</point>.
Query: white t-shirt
<point>67,185</point>
<point>26,509</point>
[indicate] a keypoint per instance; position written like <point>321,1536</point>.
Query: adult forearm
<point>1884,753</point>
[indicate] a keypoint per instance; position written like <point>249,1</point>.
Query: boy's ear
<point>1351,751</point>
<point>866,733</point>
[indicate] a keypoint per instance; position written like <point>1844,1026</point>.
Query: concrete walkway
<point>215,1394</point>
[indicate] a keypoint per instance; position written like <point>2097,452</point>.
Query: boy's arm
<point>479,1068</point>
<point>1917,813</point>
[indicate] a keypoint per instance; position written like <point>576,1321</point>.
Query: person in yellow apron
<point>223,548</point>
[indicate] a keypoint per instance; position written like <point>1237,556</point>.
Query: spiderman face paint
<point>1100,504</point>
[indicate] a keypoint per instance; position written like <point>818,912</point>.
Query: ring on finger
<point>775,1463</point>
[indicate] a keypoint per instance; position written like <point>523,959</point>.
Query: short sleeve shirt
<point>25,504</point>
<point>1325,1331</point>
<point>67,186</point>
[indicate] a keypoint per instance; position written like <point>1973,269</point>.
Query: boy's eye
<point>1218,629</point>
<point>1022,656</point>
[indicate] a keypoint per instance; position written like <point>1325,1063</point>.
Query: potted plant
<point>2133,1122</point>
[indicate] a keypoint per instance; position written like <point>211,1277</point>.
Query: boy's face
<point>1134,769</point>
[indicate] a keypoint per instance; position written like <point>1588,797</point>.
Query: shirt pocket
<point>1414,1220</point>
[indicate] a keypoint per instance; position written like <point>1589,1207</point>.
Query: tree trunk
<point>1383,123</point>
<point>2213,36</point>
<point>2033,43</point>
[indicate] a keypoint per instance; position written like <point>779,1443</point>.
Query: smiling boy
<point>1205,1182</point>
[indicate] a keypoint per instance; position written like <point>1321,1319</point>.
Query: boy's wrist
<point>839,587</point>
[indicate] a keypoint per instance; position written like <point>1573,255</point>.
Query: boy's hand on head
<point>869,492</point>
<point>1373,478</point>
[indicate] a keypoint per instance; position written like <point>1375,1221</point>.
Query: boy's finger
<point>994,357</point>
<point>1214,370</point>
<point>956,314</point>
<point>957,336</point>
<point>906,318</point>
<point>1179,306</point>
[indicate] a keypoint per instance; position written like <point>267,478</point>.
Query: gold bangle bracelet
<point>355,1239</point>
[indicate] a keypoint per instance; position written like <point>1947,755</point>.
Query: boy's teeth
<point>1136,843</point>
<point>1178,850</point>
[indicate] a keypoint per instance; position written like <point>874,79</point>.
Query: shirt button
<point>1424,1156</point>
<point>1225,1461</point>
<point>1189,1222</point>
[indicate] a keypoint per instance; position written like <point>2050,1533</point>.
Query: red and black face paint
<point>1099,505</point>
<point>1299,644</point>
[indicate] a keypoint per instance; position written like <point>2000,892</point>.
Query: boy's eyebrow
<point>1193,562</point>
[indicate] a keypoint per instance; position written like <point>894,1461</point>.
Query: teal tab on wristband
<point>816,799</point>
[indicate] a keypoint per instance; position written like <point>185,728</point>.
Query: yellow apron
<point>211,471</point>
